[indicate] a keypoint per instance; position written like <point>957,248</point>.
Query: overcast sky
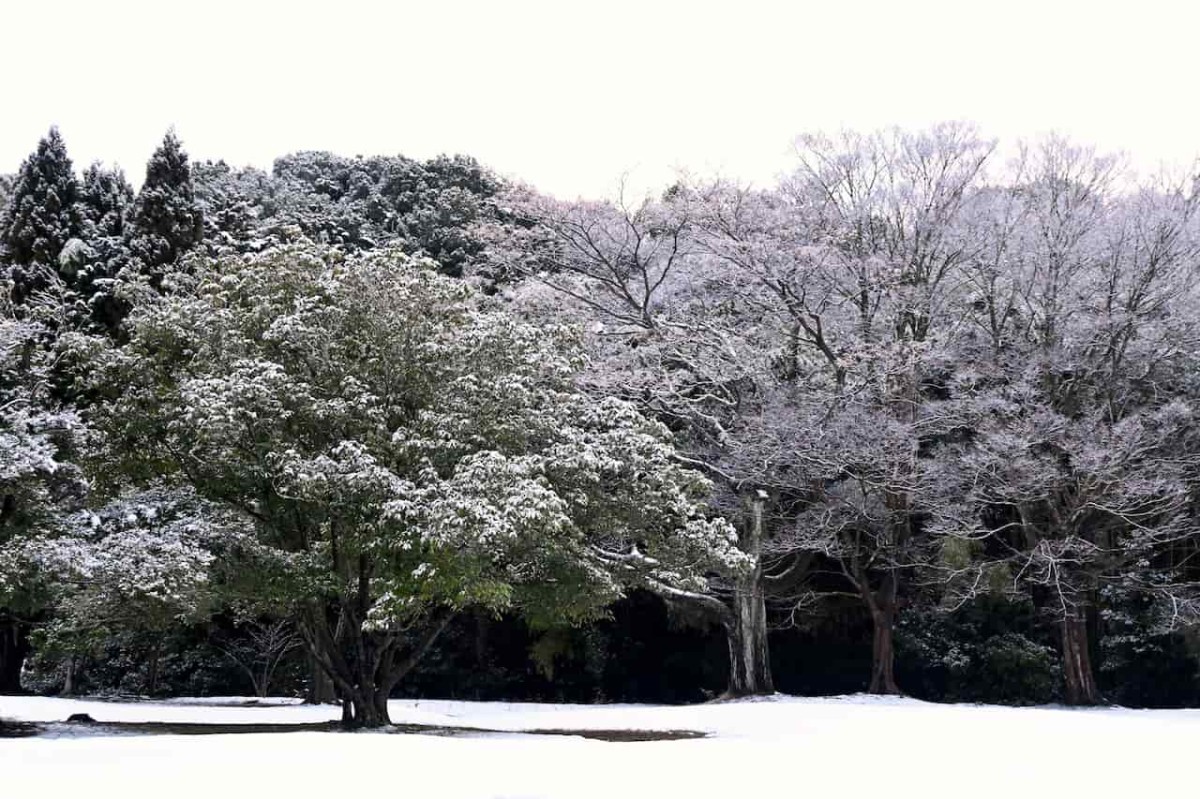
<point>569,96</point>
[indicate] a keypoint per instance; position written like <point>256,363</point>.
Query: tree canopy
<point>403,452</point>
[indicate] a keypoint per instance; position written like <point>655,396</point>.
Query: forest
<point>917,418</point>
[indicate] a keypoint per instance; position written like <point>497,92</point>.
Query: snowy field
<point>828,747</point>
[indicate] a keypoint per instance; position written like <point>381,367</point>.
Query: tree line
<point>913,402</point>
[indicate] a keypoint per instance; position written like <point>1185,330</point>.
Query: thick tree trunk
<point>883,652</point>
<point>749,655</point>
<point>364,667</point>
<point>1080,681</point>
<point>882,606</point>
<point>366,708</point>
<point>14,648</point>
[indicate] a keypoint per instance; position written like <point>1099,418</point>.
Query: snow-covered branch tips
<point>402,452</point>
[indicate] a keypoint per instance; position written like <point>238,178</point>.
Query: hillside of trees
<point>917,418</point>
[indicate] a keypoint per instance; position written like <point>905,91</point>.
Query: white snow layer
<point>841,746</point>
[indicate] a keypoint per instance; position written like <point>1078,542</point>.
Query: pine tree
<point>106,203</point>
<point>106,199</point>
<point>41,216</point>
<point>166,219</point>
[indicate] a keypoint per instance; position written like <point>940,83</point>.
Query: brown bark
<point>882,606</point>
<point>1080,681</point>
<point>883,653</point>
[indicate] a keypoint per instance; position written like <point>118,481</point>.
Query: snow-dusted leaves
<point>419,449</point>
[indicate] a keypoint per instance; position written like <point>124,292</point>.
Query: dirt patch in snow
<point>199,728</point>
<point>17,729</point>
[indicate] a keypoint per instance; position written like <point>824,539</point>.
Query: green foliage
<point>398,447</point>
<point>1143,662</point>
<point>352,203</point>
<point>340,431</point>
<point>105,199</point>
<point>41,216</point>
<point>987,651</point>
<point>166,221</point>
<point>40,480</point>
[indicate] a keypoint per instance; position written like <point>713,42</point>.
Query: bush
<point>1141,664</point>
<point>1008,669</point>
<point>988,651</point>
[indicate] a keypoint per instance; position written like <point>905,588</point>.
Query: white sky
<point>569,96</point>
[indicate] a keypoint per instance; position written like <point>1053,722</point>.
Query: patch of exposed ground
<point>187,728</point>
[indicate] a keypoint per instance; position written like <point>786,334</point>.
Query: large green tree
<point>403,453</point>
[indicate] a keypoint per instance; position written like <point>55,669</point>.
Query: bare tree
<point>854,265</point>
<point>1081,463</point>
<point>259,650</point>
<point>888,358</point>
<point>663,332</point>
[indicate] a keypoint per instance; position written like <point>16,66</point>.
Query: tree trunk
<point>152,676</point>
<point>364,667</point>
<point>381,705</point>
<point>14,648</point>
<point>69,680</point>
<point>882,606</point>
<point>320,686</point>
<point>366,708</point>
<point>1080,682</point>
<point>749,655</point>
<point>883,652</point>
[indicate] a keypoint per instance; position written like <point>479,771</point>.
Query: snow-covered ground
<point>827,747</point>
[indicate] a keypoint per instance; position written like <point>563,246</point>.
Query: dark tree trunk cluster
<point>364,667</point>
<point>14,648</point>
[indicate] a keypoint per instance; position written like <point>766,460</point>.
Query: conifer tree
<point>166,220</point>
<point>6,187</point>
<point>41,216</point>
<point>106,199</point>
<point>106,203</point>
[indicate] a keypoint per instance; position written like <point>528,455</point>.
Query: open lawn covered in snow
<point>821,747</point>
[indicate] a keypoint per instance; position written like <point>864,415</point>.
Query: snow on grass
<point>843,746</point>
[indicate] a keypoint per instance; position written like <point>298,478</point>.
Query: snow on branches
<point>415,450</point>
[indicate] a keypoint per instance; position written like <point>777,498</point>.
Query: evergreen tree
<point>41,216</point>
<point>106,204</point>
<point>166,219</point>
<point>105,201</point>
<point>6,187</point>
